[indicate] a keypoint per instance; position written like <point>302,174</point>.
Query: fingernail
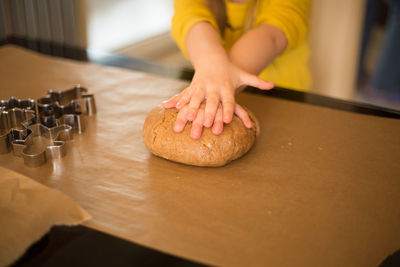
<point>216,130</point>
<point>195,136</point>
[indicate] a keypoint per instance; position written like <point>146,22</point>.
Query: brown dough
<point>210,150</point>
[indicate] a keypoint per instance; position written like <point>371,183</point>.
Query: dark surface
<point>109,59</point>
<point>329,102</point>
<point>392,260</point>
<point>82,246</point>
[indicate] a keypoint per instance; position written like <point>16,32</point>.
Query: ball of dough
<point>210,150</point>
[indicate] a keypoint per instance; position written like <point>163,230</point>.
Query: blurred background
<point>354,44</point>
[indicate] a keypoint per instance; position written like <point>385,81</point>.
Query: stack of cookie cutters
<point>38,130</point>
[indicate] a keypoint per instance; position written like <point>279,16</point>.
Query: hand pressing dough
<point>210,150</point>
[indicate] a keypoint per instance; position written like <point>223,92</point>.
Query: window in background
<point>379,67</point>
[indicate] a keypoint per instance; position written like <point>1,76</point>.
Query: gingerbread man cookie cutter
<point>42,144</point>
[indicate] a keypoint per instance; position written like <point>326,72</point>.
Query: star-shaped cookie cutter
<point>12,114</point>
<point>42,144</point>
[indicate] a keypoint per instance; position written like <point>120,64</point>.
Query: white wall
<point>336,28</point>
<point>118,23</point>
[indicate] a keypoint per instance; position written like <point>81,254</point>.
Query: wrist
<point>207,60</point>
<point>204,46</point>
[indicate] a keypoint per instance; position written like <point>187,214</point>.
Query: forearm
<point>203,45</point>
<point>257,48</point>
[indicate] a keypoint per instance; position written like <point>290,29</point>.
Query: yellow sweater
<point>290,69</point>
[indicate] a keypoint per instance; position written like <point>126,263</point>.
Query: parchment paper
<point>319,188</point>
<point>28,210</point>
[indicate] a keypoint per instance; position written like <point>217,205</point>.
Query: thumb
<point>253,80</point>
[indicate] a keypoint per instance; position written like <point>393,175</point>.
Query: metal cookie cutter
<point>12,114</point>
<point>42,143</point>
<point>66,107</point>
<point>37,131</point>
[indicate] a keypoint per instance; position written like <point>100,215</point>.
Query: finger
<point>195,101</point>
<point>242,114</point>
<point>211,108</point>
<point>181,120</point>
<point>171,103</point>
<point>218,123</point>
<point>228,106</point>
<point>253,80</point>
<point>185,98</point>
<point>197,125</point>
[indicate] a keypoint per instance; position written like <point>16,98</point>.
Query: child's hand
<point>198,123</point>
<point>214,87</point>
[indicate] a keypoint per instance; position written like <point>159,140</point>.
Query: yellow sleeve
<point>291,16</point>
<point>187,13</point>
